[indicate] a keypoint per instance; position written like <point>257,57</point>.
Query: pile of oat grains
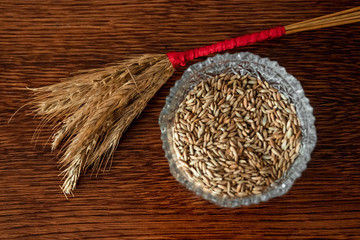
<point>235,135</point>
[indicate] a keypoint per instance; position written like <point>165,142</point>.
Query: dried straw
<point>348,16</point>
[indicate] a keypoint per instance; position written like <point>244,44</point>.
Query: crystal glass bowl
<point>240,63</point>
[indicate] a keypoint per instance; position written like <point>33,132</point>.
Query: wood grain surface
<point>42,41</point>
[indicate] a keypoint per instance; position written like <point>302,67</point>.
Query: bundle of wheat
<point>91,111</point>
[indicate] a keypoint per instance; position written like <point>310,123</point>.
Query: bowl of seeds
<point>237,129</point>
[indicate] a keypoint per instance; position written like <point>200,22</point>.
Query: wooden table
<point>42,41</point>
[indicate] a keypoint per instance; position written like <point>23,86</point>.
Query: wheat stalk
<point>91,111</point>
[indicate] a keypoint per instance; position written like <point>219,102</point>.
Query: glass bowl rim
<point>297,168</point>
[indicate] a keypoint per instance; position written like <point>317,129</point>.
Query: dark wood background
<point>42,41</point>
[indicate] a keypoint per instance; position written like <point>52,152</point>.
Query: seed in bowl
<point>235,135</point>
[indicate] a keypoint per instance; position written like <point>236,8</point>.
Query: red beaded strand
<point>180,58</point>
